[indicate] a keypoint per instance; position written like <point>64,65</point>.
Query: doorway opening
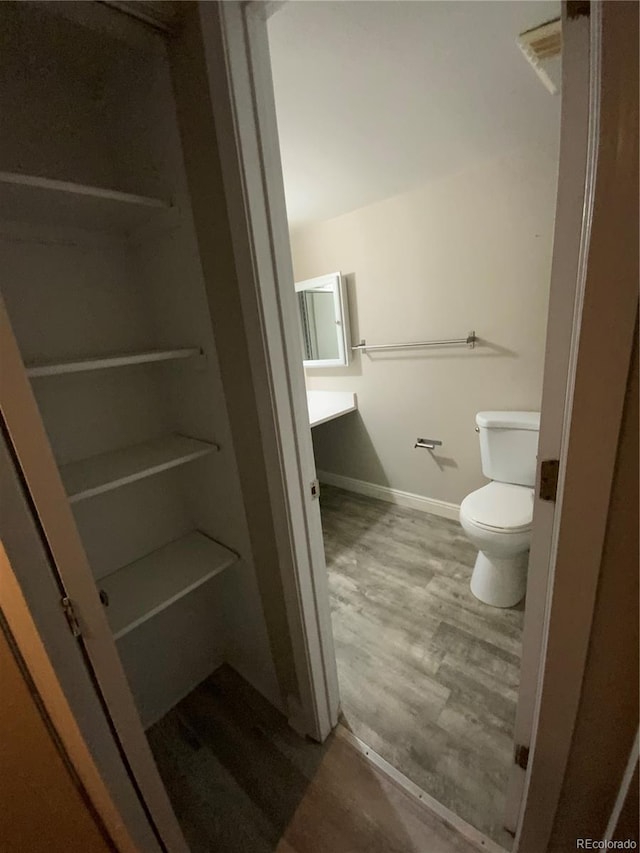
<point>420,156</point>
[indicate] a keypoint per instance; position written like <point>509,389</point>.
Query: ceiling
<point>374,98</point>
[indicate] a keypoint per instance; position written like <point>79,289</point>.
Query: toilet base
<point>500,581</point>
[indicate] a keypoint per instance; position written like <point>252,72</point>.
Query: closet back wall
<point>468,251</point>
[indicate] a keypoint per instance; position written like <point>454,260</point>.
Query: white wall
<point>468,251</point>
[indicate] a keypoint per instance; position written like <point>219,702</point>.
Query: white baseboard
<point>394,496</point>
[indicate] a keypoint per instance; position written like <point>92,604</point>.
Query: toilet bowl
<point>497,518</point>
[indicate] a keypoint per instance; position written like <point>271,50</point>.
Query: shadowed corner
<point>345,445</point>
<point>240,779</point>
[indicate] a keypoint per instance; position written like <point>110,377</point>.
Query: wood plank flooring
<point>241,781</point>
<point>428,674</point>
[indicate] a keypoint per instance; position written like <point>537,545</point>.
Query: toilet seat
<point>499,508</point>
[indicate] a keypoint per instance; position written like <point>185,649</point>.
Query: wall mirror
<point>324,321</point>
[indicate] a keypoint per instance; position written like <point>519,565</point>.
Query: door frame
<point>53,656</point>
<point>244,111</point>
<point>571,234</point>
<point>238,68</point>
<point>600,357</point>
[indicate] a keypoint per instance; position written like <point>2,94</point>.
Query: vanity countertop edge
<point>327,405</point>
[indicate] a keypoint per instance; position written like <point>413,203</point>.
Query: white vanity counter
<point>326,405</point>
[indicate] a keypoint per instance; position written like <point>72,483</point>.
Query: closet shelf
<point>149,585</point>
<point>107,471</point>
<point>105,362</point>
<point>48,201</point>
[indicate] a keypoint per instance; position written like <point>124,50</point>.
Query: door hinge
<point>521,756</point>
<point>549,469</point>
<point>315,488</point>
<point>71,617</point>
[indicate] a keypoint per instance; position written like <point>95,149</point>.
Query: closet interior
<point>104,289</point>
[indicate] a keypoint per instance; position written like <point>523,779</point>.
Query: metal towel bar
<point>470,341</point>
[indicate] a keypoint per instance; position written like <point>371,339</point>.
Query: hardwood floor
<point>241,781</point>
<point>428,674</point>
<point>428,678</point>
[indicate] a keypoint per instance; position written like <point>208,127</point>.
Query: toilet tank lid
<point>509,420</point>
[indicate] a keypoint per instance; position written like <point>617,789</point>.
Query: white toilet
<point>497,517</point>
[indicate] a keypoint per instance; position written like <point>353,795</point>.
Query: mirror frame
<point>341,315</point>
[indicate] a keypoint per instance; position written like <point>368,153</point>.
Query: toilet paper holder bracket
<point>427,443</point>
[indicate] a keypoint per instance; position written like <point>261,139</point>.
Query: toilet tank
<point>509,446</point>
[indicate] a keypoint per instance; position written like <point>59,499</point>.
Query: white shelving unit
<point>149,585</point>
<point>109,361</point>
<point>46,200</point>
<point>98,474</point>
<point>104,266</point>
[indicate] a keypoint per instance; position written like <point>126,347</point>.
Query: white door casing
<point>601,349</point>
<point>238,64</point>
<point>54,659</point>
<point>562,330</point>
